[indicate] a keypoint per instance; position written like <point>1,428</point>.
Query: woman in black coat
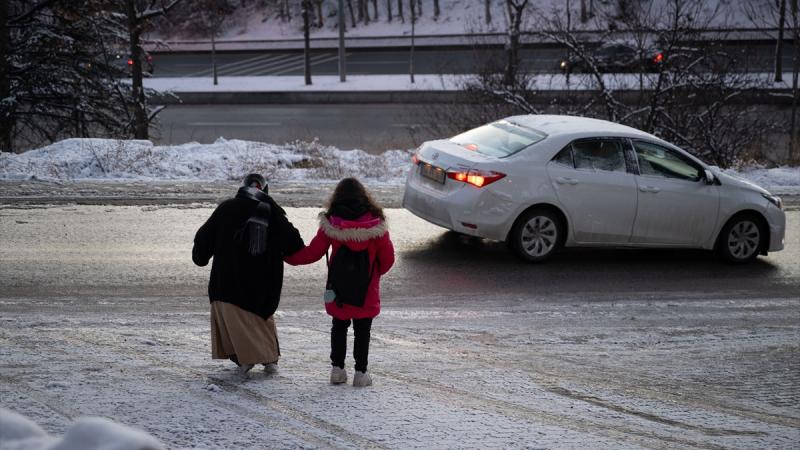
<point>247,274</point>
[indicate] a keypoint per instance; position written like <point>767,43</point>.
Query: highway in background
<point>428,60</point>
<point>370,127</point>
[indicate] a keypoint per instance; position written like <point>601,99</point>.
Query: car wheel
<point>741,239</point>
<point>536,235</point>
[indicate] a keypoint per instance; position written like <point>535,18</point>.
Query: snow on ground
<point>458,17</point>
<point>324,83</point>
<point>107,159</point>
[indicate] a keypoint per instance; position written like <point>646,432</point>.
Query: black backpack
<point>349,276</point>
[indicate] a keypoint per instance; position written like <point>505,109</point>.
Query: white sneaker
<point>271,368</point>
<point>244,368</point>
<point>338,375</point>
<point>361,379</point>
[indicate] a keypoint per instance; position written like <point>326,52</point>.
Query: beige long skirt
<point>235,331</point>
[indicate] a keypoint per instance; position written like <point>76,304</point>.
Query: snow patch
<point>213,387</point>
<point>107,159</point>
<point>228,160</point>
<point>19,433</point>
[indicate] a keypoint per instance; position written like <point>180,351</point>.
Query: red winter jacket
<point>366,232</point>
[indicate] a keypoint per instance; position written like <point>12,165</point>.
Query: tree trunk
<point>419,8</point>
<point>411,55</point>
<point>214,56</point>
<point>306,42</point>
<point>319,14</point>
<point>6,113</point>
<point>342,54</point>
<point>389,10</point>
<point>352,14</point>
<point>794,135</point>
<point>360,6</point>
<point>140,123</point>
<point>436,9</point>
<point>584,12</point>
<point>487,7</point>
<point>779,44</point>
<point>515,11</point>
<point>400,11</point>
<point>375,10</point>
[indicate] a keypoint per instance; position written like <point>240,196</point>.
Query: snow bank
<point>321,83</point>
<point>107,159</point>
<point>402,83</point>
<point>19,433</point>
<point>777,180</point>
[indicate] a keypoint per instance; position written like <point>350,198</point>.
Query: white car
<point>540,182</point>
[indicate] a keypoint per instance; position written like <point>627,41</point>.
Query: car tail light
<point>414,159</point>
<point>659,58</point>
<point>130,62</point>
<point>477,178</point>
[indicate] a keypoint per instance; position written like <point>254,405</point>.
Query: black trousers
<point>361,329</point>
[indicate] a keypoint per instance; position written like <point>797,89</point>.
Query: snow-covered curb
<point>402,83</point>
<point>224,160</point>
<point>322,83</point>
<point>107,159</point>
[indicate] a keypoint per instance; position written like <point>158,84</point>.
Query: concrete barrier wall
<point>761,97</point>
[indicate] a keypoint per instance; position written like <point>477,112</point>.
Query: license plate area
<point>432,172</point>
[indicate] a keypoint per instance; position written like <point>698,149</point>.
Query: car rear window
<point>498,139</point>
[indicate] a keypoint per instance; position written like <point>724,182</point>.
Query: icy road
<point>102,313</point>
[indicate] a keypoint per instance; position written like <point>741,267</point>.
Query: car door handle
<point>565,180</point>
<point>652,189</point>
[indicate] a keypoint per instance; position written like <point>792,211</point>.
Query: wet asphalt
<point>144,251</point>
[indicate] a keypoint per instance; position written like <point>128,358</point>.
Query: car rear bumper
<point>456,206</point>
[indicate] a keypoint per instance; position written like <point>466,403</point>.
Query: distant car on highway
<point>126,60</point>
<point>614,58</point>
<point>542,182</point>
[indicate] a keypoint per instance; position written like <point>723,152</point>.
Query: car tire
<point>537,235</point>
<point>742,239</point>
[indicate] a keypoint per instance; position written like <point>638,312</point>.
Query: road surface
<point>103,314</point>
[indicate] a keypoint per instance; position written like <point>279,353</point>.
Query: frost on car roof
<point>555,125</point>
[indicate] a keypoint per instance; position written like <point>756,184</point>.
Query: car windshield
<point>498,139</point>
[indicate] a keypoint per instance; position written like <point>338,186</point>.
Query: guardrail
<point>441,40</point>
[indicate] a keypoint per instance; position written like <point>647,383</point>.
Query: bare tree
<point>389,10</point>
<point>436,9</point>
<point>779,43</point>
<point>138,14</point>
<point>318,5</point>
<point>400,11</point>
<point>375,10</point>
<point>698,99</point>
<point>769,15</point>
<point>305,10</point>
<point>212,14</point>
<point>794,133</point>
<point>515,10</point>
<point>413,32</point>
<point>487,8</point>
<point>352,14</point>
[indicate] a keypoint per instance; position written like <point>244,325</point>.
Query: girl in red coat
<point>355,221</point>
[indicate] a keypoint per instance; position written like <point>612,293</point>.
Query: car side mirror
<point>709,176</point>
